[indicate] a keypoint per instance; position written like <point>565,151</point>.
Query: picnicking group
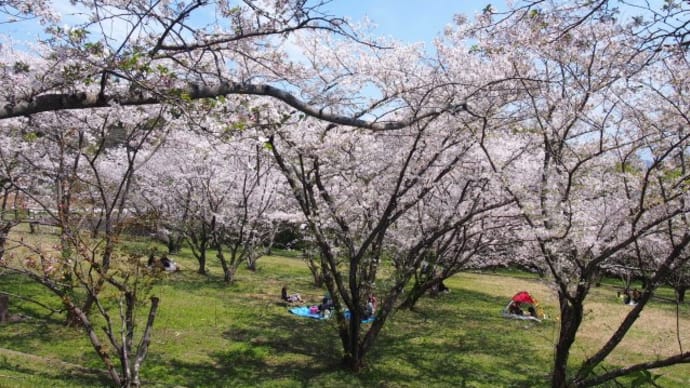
<point>326,306</point>
<point>165,263</point>
<point>630,297</point>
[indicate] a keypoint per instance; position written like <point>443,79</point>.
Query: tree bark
<point>202,263</point>
<point>571,316</point>
<point>680,293</point>
<point>417,291</point>
<point>95,342</point>
<point>354,358</point>
<point>315,270</point>
<point>4,232</point>
<point>83,100</point>
<point>142,349</point>
<point>199,244</point>
<point>228,269</point>
<point>4,307</point>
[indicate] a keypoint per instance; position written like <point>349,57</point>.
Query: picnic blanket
<point>367,320</point>
<point>304,311</point>
<point>521,317</point>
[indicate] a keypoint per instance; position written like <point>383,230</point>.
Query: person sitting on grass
<point>326,305</point>
<point>635,296</point>
<point>371,307</point>
<point>289,298</point>
<point>168,264</point>
<point>514,308</point>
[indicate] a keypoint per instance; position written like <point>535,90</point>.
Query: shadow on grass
<point>445,346</point>
<point>76,376</point>
<point>459,339</point>
<point>461,346</point>
<point>35,323</point>
<point>278,347</point>
<point>24,334</point>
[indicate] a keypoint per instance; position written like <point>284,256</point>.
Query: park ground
<point>208,334</point>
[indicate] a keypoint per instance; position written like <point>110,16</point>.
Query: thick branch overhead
<point>81,100</point>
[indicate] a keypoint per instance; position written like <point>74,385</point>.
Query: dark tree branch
<point>682,358</point>
<point>82,100</point>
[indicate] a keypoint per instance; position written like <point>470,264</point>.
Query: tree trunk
<point>143,348</point>
<point>4,307</point>
<point>199,244</point>
<point>100,349</point>
<point>174,244</point>
<point>571,317</point>
<point>415,293</point>
<point>680,293</point>
<point>353,359</point>
<point>229,276</point>
<point>315,270</point>
<point>228,269</point>
<point>4,231</point>
<point>202,263</point>
<point>251,261</point>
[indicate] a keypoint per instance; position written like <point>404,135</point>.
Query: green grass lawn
<point>211,335</point>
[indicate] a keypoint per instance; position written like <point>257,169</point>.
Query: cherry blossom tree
<point>78,170</point>
<point>17,10</point>
<point>660,25</point>
<point>570,114</point>
<point>13,207</point>
<point>165,57</point>
<point>355,212</point>
<point>247,224</point>
<point>358,190</point>
<point>185,186</point>
<point>168,54</point>
<point>680,281</point>
<point>484,241</point>
<point>221,193</point>
<point>573,159</point>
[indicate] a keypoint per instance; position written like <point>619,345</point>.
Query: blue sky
<point>408,20</point>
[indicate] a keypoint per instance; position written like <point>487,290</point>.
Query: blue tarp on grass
<point>303,311</point>
<point>368,320</point>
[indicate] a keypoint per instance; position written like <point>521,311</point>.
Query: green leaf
<point>30,137</point>
<point>94,48</point>
<point>21,67</point>
<point>77,35</point>
<point>239,126</point>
